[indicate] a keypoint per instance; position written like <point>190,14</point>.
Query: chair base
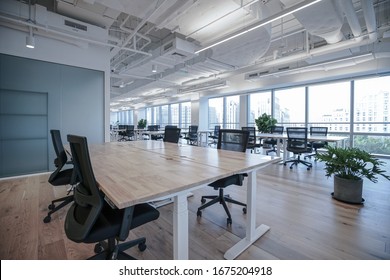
<point>65,201</point>
<point>221,199</point>
<point>270,151</point>
<point>108,250</point>
<point>297,161</point>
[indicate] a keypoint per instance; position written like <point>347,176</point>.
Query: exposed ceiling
<point>154,44</point>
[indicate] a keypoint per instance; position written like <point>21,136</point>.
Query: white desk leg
<point>252,233</point>
<point>180,227</point>
<point>284,144</point>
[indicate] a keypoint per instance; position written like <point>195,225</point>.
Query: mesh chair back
<point>129,130</point>
<point>193,132</point>
<point>252,136</point>
<point>277,129</point>
<point>318,130</point>
<point>60,176</point>
<point>297,139</point>
<point>171,134</point>
<point>233,140</point>
<point>88,201</point>
<point>217,128</point>
<point>58,148</point>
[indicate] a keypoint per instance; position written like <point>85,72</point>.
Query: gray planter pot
<point>349,191</point>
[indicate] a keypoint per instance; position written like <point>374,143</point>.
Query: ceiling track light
<point>154,68</point>
<point>264,22</point>
<point>30,40</point>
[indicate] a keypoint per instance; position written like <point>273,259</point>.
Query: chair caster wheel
<point>244,210</point>
<point>308,168</point>
<point>229,221</point>
<point>51,206</point>
<point>199,213</point>
<point>291,167</point>
<point>98,248</point>
<point>142,246</point>
<point>47,219</point>
<point>284,164</point>
<point>203,200</point>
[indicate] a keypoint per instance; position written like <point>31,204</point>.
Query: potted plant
<point>349,167</point>
<point>264,123</point>
<point>142,123</point>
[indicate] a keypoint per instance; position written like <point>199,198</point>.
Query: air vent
<point>263,73</point>
<point>178,49</point>
<point>76,25</point>
<point>168,46</point>
<point>284,68</point>
<point>253,75</point>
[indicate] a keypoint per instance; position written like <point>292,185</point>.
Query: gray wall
<point>75,104</point>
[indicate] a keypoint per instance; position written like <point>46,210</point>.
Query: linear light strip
<point>273,18</point>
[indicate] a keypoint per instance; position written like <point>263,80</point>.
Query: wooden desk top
<point>134,172</point>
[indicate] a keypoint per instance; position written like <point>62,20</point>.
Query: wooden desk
<point>133,172</point>
<point>310,138</point>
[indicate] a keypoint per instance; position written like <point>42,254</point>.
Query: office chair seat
<point>64,177</point>
<point>109,222</point>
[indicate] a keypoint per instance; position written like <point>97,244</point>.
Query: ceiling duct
<point>323,20</point>
<point>178,49</point>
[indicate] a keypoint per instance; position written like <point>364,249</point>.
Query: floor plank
<point>306,223</point>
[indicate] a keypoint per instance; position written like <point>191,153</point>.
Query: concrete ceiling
<point>165,35</point>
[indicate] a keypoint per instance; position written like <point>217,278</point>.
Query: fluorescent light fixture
<point>322,66</point>
<point>266,21</point>
<point>204,86</point>
<point>30,40</point>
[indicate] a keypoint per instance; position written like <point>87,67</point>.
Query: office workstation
<point>94,69</point>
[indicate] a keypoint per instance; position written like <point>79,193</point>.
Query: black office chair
<point>233,140</point>
<point>214,136</point>
<point>315,145</point>
<point>297,144</point>
<point>128,134</point>
<point>60,176</point>
<point>275,129</point>
<point>91,219</point>
<point>122,132</point>
<point>171,134</point>
<point>192,136</point>
<point>252,142</point>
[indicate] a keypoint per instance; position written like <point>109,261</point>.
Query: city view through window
<point>358,109</point>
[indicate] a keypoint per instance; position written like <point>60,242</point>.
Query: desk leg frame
<point>252,233</point>
<point>180,227</point>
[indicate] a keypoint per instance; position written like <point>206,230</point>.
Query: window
<point>370,99</point>
<point>258,103</point>
<point>323,108</point>
<point>175,114</point>
<point>224,111</point>
<point>164,116</point>
<point>185,114</point>
<point>215,112</point>
<point>290,106</point>
<point>232,110</point>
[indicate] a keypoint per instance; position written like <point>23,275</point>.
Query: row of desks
<point>140,171</point>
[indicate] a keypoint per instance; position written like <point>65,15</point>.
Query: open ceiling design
<point>169,49</point>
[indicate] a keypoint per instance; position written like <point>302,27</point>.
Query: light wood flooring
<point>306,223</point>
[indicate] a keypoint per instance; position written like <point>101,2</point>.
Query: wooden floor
<point>306,223</point>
